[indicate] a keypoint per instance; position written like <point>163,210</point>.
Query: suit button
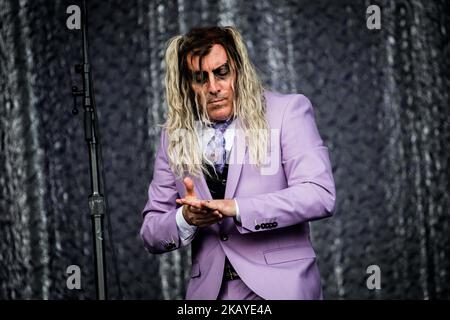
<point>257,227</point>
<point>224,237</point>
<point>275,224</point>
<point>264,225</point>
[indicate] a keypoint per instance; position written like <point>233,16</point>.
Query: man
<point>248,169</point>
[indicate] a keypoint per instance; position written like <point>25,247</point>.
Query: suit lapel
<point>236,160</point>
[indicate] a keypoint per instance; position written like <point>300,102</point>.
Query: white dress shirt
<point>185,230</point>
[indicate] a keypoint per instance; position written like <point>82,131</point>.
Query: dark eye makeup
<point>202,76</point>
<point>222,70</point>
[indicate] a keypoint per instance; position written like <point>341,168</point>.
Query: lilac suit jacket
<point>271,250</point>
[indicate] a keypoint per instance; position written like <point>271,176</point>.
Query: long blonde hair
<point>184,108</point>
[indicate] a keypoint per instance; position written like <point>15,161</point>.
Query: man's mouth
<point>216,101</point>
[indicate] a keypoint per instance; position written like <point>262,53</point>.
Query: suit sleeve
<point>159,229</point>
<point>310,194</point>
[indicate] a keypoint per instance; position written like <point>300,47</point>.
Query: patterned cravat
<point>215,150</point>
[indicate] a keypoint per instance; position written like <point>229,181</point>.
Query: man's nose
<point>213,87</point>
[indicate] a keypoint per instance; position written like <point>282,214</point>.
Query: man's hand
<point>193,212</point>
<point>226,207</point>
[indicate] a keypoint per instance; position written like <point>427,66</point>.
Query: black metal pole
<point>96,199</point>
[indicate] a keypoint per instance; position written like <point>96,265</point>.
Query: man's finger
<point>198,203</point>
<point>192,202</point>
<point>198,210</point>
<point>217,213</point>
<point>189,185</point>
<point>203,212</point>
<point>209,204</point>
<point>201,203</point>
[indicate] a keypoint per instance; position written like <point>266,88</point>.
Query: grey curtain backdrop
<point>381,100</point>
